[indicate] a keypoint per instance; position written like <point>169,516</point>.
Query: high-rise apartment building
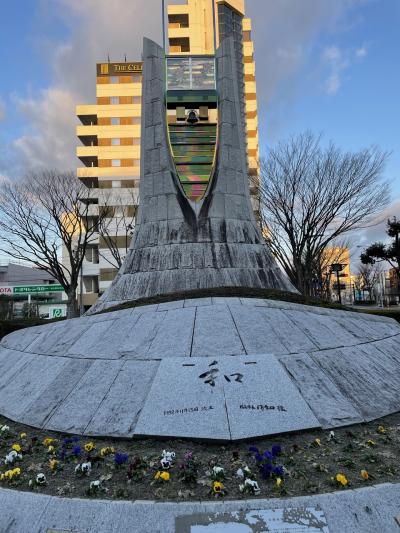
<point>110,134</point>
<point>110,129</point>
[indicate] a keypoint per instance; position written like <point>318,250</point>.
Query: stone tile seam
<point>48,418</point>
<point>328,378</point>
<point>141,358</point>
<point>104,397</point>
<point>357,407</point>
<point>193,330</point>
<point>237,330</point>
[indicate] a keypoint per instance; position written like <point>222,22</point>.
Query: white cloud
<point>284,34</point>
<point>361,52</point>
<point>337,62</point>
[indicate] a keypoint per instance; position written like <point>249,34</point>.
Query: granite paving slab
<point>108,342</point>
<point>180,402</point>
<point>83,383</point>
<point>366,510</point>
<point>215,332</point>
<point>261,399</point>
<point>178,323</point>
<point>329,405</point>
<point>29,383</point>
<point>138,339</point>
<point>289,333</point>
<point>42,408</point>
<point>255,331</point>
<point>77,410</point>
<point>118,412</point>
<point>11,362</point>
<point>369,381</point>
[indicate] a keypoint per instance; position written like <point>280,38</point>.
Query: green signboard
<point>35,289</point>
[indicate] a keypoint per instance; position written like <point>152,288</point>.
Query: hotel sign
<point>114,69</point>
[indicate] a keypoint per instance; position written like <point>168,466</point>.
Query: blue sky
<point>326,65</point>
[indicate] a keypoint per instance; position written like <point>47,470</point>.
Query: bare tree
<point>41,216</point>
<point>310,196</point>
<point>336,252</point>
<point>117,226</point>
<point>367,277</point>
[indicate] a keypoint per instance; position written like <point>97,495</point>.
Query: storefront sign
<point>30,289</point>
<point>114,69</point>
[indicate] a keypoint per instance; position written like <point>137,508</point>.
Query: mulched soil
<point>311,462</point>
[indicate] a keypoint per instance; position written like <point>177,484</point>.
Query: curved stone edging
<point>137,372</point>
<point>365,510</point>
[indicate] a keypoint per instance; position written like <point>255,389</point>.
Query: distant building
<point>20,285</point>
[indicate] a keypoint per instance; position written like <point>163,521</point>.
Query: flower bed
<point>289,465</point>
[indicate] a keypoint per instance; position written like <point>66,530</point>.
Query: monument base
<point>207,368</point>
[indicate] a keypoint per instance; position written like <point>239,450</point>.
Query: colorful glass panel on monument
<point>192,117</point>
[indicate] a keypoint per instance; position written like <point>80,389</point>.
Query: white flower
<point>247,470</point>
<point>41,479</point>
<point>240,473</point>
<point>3,429</point>
<point>252,485</point>
<point>12,456</point>
<point>95,485</point>
<point>331,435</point>
<point>241,487</point>
<point>218,470</point>
<point>167,459</point>
<point>83,468</point>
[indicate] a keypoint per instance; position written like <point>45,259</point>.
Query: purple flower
<point>75,439</point>
<point>120,458</point>
<point>278,471</point>
<point>265,470</point>
<point>276,450</point>
<point>66,442</point>
<point>254,449</point>
<point>258,457</point>
<point>76,450</point>
<point>62,454</point>
<point>268,455</point>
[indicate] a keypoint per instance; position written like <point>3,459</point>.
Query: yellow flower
<point>47,441</point>
<point>50,449</point>
<point>381,429</point>
<point>317,442</point>
<point>341,478</point>
<point>364,474</point>
<point>22,436</point>
<point>158,474</point>
<point>53,464</point>
<point>371,442</point>
<point>89,447</point>
<point>165,476</point>
<point>10,474</point>
<point>16,447</point>
<point>106,451</point>
<point>218,487</point>
<point>278,482</point>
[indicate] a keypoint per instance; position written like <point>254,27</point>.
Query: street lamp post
<point>338,267</point>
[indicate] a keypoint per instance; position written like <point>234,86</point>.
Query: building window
<point>116,162</point>
<point>136,120</point>
<point>136,162</point>
<point>114,100</point>
<point>115,142</point>
<point>136,100</point>
<point>116,184</point>
<point>136,78</point>
<point>115,121</point>
<point>114,79</point>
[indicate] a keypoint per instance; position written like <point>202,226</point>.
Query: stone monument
<point>196,228</point>
<point>222,368</point>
